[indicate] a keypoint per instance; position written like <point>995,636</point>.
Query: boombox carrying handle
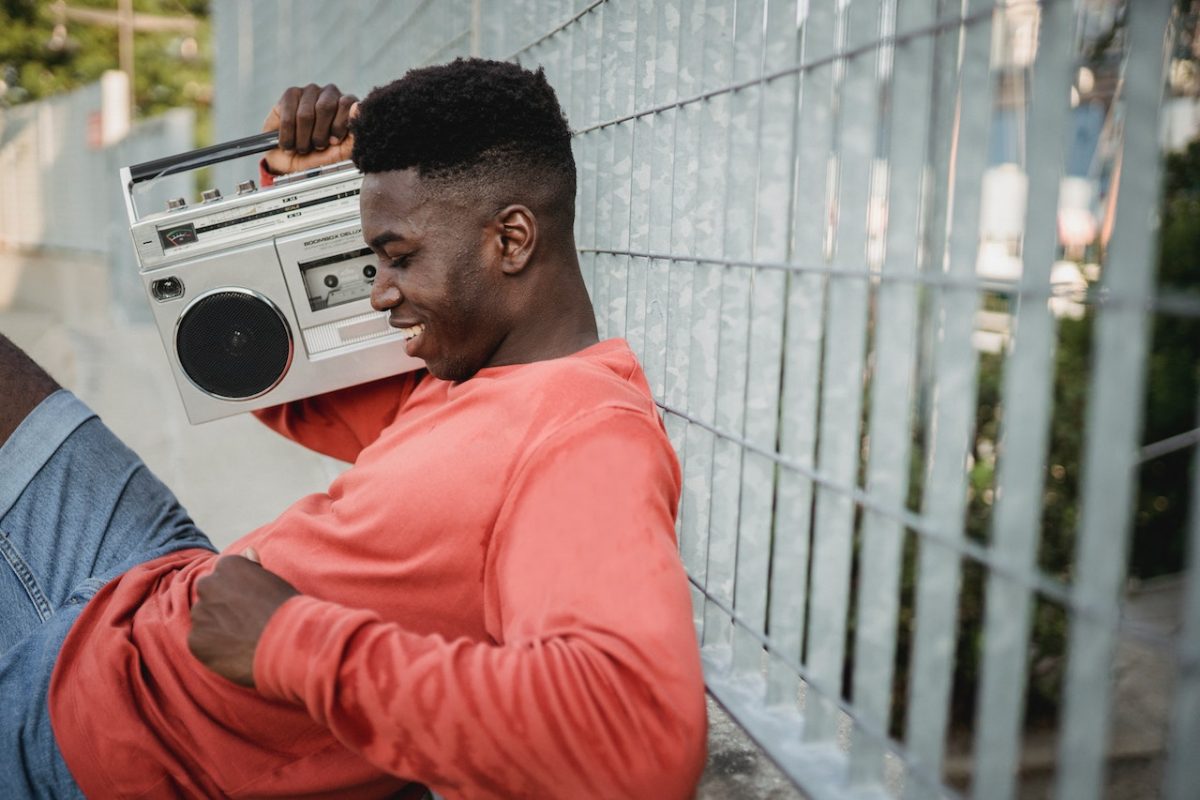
<point>194,159</point>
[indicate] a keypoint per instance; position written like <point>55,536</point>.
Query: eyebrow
<point>384,238</point>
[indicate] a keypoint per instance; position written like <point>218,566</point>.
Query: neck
<point>558,318</point>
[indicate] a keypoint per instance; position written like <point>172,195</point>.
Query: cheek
<point>467,278</point>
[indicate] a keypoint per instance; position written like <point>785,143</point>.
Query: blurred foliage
<point>1173,379</point>
<point>1163,490</point>
<point>37,60</point>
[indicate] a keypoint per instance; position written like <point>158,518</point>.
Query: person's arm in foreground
<point>593,688</point>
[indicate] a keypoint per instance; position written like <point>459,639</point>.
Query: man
<point>488,602</point>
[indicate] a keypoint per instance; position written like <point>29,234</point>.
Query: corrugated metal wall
<point>834,232</point>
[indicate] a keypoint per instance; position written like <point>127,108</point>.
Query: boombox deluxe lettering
<point>263,297</point>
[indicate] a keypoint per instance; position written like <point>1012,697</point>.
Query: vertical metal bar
<point>698,442</point>
<point>269,23</point>
<point>231,70</point>
<point>526,15</point>
<point>564,45</point>
<point>577,109</point>
<point>1183,771</point>
<point>476,28</point>
<point>492,37</point>
<point>582,114</point>
<point>939,192</point>
<point>702,312</point>
<point>802,349</point>
<point>952,415</point>
<point>739,207</point>
<point>622,43</point>
<point>662,139</point>
<point>706,302</point>
<point>890,419</point>
<point>1027,398</point>
<point>1115,411</point>
<point>776,156</point>
<point>841,382</point>
<point>642,136</point>
<point>539,14</point>
<point>606,55</point>
<point>685,168</point>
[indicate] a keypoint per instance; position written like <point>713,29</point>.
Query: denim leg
<point>77,508</point>
<point>31,766</point>
<point>23,602</point>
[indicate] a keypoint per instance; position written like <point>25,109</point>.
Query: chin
<point>454,370</point>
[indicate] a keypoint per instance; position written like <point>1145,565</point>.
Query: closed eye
<point>396,262</point>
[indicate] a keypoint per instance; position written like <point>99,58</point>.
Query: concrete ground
<point>232,474</point>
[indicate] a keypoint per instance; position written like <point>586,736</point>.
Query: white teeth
<point>413,332</point>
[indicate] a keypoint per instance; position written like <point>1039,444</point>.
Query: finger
<point>325,113</point>
<point>271,123</point>
<point>306,114</point>
<point>286,108</point>
<point>345,148</point>
<point>251,554</point>
<point>341,121</point>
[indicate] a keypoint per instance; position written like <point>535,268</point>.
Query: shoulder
<point>604,376</point>
<point>597,392</point>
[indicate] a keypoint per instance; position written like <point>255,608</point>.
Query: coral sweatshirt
<point>492,605</point>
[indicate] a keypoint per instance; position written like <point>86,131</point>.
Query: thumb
<point>271,123</point>
<point>251,554</point>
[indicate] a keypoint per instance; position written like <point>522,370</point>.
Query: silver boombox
<point>262,297</point>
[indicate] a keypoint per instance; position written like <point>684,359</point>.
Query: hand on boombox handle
<point>194,159</point>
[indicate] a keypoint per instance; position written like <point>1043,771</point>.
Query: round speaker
<point>233,343</point>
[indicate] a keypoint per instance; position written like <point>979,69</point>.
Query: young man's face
<point>434,276</point>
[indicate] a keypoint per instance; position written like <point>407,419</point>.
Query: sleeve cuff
<point>265,176</point>
<point>301,650</point>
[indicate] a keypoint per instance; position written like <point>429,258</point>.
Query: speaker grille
<point>233,344</point>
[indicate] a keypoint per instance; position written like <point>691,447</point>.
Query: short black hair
<point>470,119</point>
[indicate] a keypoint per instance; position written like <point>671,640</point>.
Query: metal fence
<point>58,184</point>
<point>875,256</point>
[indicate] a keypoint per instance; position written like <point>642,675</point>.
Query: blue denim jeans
<point>77,508</point>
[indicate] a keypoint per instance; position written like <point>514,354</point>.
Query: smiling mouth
<point>412,331</point>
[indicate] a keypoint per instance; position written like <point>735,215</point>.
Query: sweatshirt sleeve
<point>592,687</point>
<point>341,423</point>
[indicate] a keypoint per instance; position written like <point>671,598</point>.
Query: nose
<point>384,295</point>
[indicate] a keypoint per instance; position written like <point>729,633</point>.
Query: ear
<point>516,232</point>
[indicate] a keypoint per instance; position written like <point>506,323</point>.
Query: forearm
<point>570,714</point>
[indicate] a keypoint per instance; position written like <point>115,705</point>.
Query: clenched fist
<point>233,605</point>
<point>314,128</point>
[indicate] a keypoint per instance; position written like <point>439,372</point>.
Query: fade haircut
<point>491,130</point>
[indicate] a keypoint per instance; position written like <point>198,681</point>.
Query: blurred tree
<point>1164,501</point>
<point>1173,379</point>
<point>42,54</point>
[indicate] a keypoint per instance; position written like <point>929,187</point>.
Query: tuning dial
<point>246,187</point>
<point>210,194</point>
<point>176,203</point>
